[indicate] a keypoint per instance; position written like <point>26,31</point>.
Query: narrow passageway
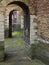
<point>24,32</point>
<point>16,52</point>
<point>17,47</point>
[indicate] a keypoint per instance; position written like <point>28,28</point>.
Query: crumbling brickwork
<point>43,18</point>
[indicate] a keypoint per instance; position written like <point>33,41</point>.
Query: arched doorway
<point>26,21</point>
<point>10,23</point>
<point>26,29</point>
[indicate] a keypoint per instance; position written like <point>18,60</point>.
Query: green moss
<point>13,42</point>
<point>33,51</point>
<point>40,48</point>
<point>17,33</point>
<point>1,55</point>
<point>1,45</point>
<point>40,55</point>
<point>43,46</point>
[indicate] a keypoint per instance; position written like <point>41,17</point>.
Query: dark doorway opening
<point>10,23</point>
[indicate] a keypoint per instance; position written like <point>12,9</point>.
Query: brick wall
<point>43,18</point>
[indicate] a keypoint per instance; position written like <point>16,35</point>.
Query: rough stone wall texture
<point>43,18</point>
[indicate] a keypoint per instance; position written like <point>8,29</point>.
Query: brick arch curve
<point>21,4</point>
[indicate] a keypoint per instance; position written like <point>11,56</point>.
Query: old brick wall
<point>42,9</point>
<point>42,48</point>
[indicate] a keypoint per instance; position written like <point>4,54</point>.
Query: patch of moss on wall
<point>42,52</point>
<point>42,56</point>
<point>1,51</point>
<point>43,46</point>
<point>33,51</point>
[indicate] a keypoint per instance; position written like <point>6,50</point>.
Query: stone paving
<point>16,55</point>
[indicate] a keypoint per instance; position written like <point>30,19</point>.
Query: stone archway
<point>26,20</point>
